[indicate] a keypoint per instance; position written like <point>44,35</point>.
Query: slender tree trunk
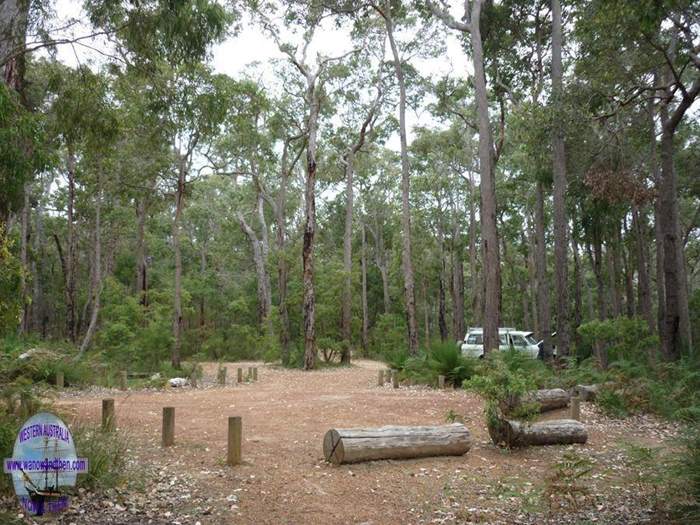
<point>309,306</point>
<point>473,256</point>
<point>24,261</point>
<point>615,249</point>
<point>365,310</point>
<point>639,227</point>
<point>596,258</point>
<point>578,290</point>
<point>281,242</point>
<point>407,263</point>
<point>489,232</point>
<point>265,254</point>
<point>178,319</point>
<point>39,315</point>
<point>426,314</point>
<point>631,306</point>
<point>613,291</point>
<point>97,274</point>
<point>381,262</point>
<point>543,308</point>
<point>458,295</point>
<point>442,310</point>
<point>70,266</point>
<point>532,274</point>
<point>346,306</point>
<point>141,268</point>
<point>259,262</point>
<point>561,288</point>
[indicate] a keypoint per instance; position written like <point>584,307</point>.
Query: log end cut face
<point>333,447</point>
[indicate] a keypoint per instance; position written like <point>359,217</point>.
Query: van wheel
<point>481,356</point>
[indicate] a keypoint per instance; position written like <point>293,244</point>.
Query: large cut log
<point>352,445</point>
<point>555,432</point>
<point>551,399</point>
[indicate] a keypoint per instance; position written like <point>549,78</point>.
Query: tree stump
<point>515,434</point>
<point>551,399</point>
<point>353,445</point>
<point>587,392</point>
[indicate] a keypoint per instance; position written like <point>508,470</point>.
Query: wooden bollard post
<point>59,379</point>
<point>222,376</point>
<point>235,433</point>
<point>395,378</point>
<point>122,380</point>
<point>240,375</point>
<point>576,407</point>
<point>168,426</point>
<point>108,422</point>
<point>380,378</point>
<point>250,374</point>
<point>255,373</point>
<point>441,382</point>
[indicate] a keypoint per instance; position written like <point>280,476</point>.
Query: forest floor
<point>284,478</point>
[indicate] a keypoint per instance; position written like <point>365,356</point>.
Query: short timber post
<point>168,426</point>
<point>240,375</point>
<point>576,407</point>
<point>255,373</point>
<point>59,379</point>
<point>108,415</point>
<point>222,375</point>
<point>235,432</point>
<point>395,378</point>
<point>441,382</point>
<point>122,380</point>
<point>380,378</point>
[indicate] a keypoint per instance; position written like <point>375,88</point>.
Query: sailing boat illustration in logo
<point>44,464</point>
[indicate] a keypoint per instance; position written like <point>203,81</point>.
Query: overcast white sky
<point>252,44</point>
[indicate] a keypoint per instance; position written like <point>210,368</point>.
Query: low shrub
<point>446,359</point>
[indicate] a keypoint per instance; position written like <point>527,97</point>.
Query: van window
<point>475,339</point>
<point>518,340</point>
<point>503,340</point>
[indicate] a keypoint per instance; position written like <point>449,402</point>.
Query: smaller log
<point>353,445</point>
<point>551,399</point>
<point>515,434</point>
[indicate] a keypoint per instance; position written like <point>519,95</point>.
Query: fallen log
<point>515,434</point>
<point>551,399</point>
<point>352,445</point>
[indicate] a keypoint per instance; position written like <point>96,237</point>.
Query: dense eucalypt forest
<point>155,209</point>
<point>308,184</point>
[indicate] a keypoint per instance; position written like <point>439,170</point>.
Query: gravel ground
<point>284,479</point>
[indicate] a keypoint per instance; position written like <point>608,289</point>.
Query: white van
<point>473,344</point>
